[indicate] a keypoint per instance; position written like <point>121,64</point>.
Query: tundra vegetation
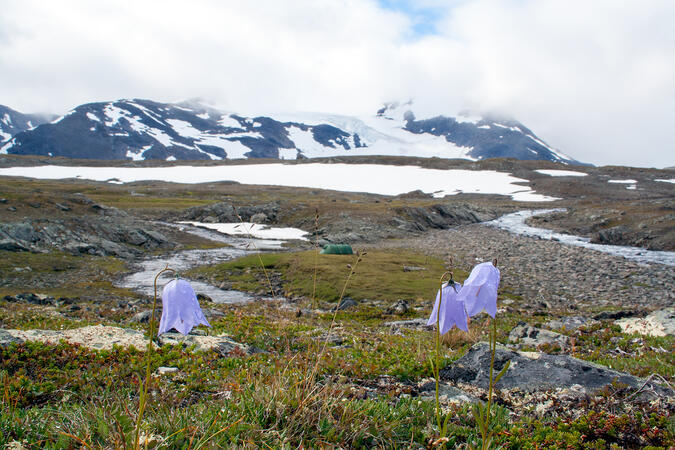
<point>327,369</point>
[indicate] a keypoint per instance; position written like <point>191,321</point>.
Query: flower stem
<point>437,365</point>
<point>143,396</point>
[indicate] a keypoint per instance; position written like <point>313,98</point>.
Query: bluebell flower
<point>180,308</point>
<point>480,290</point>
<point>452,311</point>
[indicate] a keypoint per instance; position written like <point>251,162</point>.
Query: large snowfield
<point>369,178</point>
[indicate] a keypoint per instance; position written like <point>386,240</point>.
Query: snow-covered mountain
<point>143,129</point>
<point>13,122</point>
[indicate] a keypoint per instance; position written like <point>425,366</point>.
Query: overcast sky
<point>594,78</point>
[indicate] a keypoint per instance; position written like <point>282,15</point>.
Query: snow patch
<point>255,230</point>
<point>113,113</point>
<point>371,178</point>
<point>6,147</point>
<point>672,180</point>
<point>229,122</point>
<point>91,116</point>
<point>622,181</point>
<point>138,156</point>
<point>561,173</point>
<point>171,158</point>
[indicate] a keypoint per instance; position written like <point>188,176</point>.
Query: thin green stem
<point>143,397</point>
<point>437,365</point>
<point>316,255</point>
<point>352,271</point>
<point>488,415</point>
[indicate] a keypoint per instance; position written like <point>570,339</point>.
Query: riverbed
<point>515,223</point>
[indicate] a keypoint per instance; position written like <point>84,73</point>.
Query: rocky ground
<point>550,275</point>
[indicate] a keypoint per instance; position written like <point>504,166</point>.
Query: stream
<point>142,280</point>
<point>515,223</point>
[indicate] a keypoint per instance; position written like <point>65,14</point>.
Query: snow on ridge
<point>4,149</point>
<point>113,113</point>
<point>371,178</point>
<point>59,119</point>
<point>672,180</point>
<point>151,114</point>
<point>93,117</point>
<point>227,121</point>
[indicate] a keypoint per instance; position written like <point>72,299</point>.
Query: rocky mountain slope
<point>143,129</point>
<point>13,122</point>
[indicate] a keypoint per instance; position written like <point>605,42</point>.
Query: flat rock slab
<point>658,323</point>
<point>101,337</point>
<point>412,323</point>
<point>525,334</point>
<point>447,394</point>
<point>532,371</point>
<point>570,323</point>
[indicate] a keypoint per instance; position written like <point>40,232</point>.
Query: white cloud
<point>595,79</point>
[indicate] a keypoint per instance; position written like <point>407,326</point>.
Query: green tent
<point>337,249</point>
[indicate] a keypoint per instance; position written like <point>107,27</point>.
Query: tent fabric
<point>337,249</point>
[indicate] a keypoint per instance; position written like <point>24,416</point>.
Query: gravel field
<point>549,274</point>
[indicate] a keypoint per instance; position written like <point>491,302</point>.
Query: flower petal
<point>180,308</point>
<point>452,312</point>
<point>480,290</point>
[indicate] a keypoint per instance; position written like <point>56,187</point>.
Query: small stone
<point>11,208</point>
<point>165,370</point>
<point>12,246</point>
<point>412,323</point>
<point>203,298</point>
<point>400,307</point>
<point>142,317</point>
<point>347,303</point>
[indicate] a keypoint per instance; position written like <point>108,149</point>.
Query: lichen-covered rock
<point>100,337</point>
<point>658,323</point>
<point>531,371</point>
<point>570,323</point>
<point>527,335</point>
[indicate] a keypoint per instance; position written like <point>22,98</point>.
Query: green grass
<point>380,276</point>
<point>60,274</point>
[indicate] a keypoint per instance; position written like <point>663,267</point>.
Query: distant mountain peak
<point>144,129</point>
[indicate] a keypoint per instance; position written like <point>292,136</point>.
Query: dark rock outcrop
<point>224,212</point>
<point>536,371</point>
<point>120,236</point>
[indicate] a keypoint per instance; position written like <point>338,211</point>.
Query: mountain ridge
<point>139,129</point>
